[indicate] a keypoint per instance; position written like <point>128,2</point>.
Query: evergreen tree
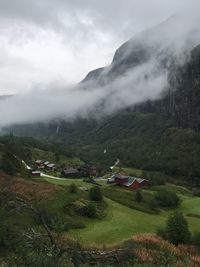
<point>9,164</point>
<point>177,229</point>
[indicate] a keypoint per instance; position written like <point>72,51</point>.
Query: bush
<point>95,194</point>
<point>72,188</point>
<point>166,198</point>
<point>138,196</point>
<point>177,231</point>
<point>91,210</point>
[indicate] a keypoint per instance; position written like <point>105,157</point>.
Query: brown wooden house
<point>128,181</point>
<point>70,172</point>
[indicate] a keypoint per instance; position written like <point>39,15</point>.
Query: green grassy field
<point>123,221</point>
<point>191,205</point>
<point>120,223</point>
<point>66,182</point>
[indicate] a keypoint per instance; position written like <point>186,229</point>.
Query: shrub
<point>138,196</point>
<point>91,210</point>
<point>177,229</point>
<point>72,188</point>
<point>95,194</point>
<point>167,198</point>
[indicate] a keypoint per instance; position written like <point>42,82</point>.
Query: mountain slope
<point>160,134</point>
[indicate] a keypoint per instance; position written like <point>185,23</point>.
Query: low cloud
<point>144,81</point>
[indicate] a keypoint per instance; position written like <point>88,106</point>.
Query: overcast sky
<point>47,41</point>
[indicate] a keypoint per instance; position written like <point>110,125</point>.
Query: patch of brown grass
<point>155,241</point>
<point>25,188</point>
<point>145,255</point>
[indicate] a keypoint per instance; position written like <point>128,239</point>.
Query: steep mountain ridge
<point>167,42</point>
<point>161,134</point>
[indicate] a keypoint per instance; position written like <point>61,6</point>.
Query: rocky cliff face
<point>181,102</point>
<point>176,53</point>
<point>167,43</point>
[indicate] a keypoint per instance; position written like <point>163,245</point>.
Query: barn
<point>136,183</point>
<point>128,181</point>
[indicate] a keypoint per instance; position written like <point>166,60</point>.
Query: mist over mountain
<point>99,138</point>
<point>143,108</point>
<point>171,40</point>
<point>140,71</point>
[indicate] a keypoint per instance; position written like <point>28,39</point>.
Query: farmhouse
<point>35,173</point>
<point>70,172</point>
<point>40,164</point>
<point>51,166</point>
<point>128,181</point>
<point>89,170</point>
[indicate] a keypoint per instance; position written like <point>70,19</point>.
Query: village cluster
<point>68,172</point>
<point>89,171</point>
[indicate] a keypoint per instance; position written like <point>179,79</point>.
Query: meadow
<point>124,217</point>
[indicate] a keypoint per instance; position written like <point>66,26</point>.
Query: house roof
<point>70,170</point>
<point>35,172</point>
<point>38,161</point>
<point>131,180</point>
<point>51,165</point>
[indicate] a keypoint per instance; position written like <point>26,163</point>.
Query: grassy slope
<point>67,182</point>
<point>121,221</point>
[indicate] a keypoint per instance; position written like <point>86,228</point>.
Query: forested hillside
<point>160,135</point>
